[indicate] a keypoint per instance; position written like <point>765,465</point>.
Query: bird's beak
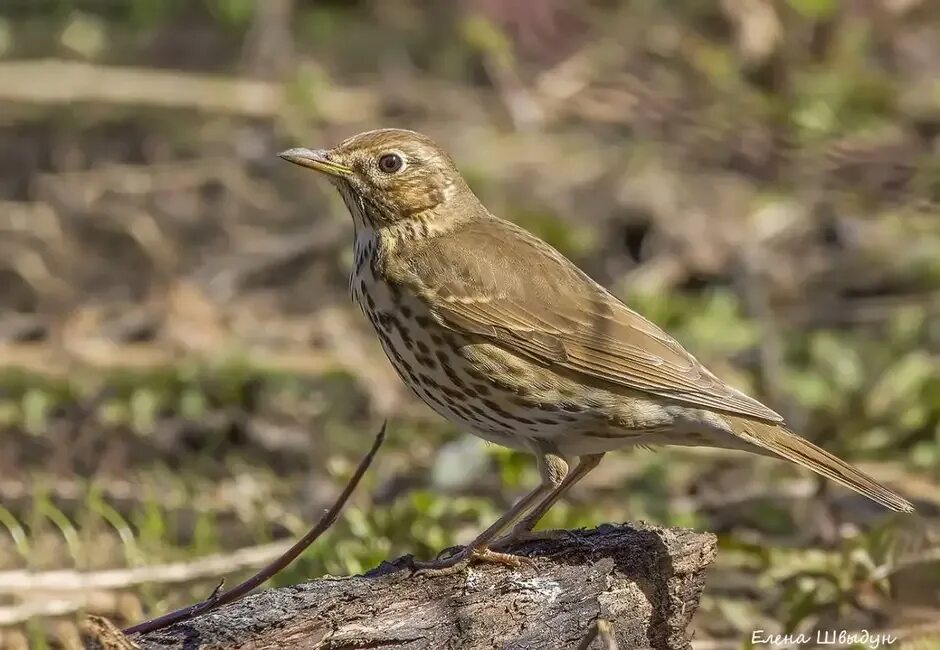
<point>317,159</point>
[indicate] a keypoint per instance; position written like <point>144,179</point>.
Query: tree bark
<point>644,580</point>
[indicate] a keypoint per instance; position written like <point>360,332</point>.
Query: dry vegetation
<point>184,383</point>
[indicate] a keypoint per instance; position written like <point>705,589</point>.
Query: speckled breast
<point>476,385</point>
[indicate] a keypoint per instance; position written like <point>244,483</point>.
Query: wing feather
<point>496,281</point>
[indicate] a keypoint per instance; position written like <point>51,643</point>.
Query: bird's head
<point>386,175</point>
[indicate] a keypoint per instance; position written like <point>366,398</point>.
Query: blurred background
<point>185,384</point>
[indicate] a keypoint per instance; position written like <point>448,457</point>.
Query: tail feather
<point>784,443</point>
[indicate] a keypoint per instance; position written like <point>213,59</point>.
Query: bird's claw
<point>461,560</point>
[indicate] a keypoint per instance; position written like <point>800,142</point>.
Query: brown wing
<point>495,280</point>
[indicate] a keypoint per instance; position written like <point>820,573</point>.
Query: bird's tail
<point>782,442</point>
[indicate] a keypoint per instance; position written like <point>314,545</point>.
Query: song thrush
<point>501,334</point>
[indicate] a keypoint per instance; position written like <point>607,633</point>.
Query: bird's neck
<point>416,227</point>
<point>381,241</point>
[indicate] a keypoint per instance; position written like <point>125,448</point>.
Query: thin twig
<point>217,599</point>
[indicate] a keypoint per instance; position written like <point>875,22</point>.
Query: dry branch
<point>219,598</point>
<point>643,580</point>
<point>18,614</point>
<point>77,582</point>
<point>53,82</point>
<point>66,82</point>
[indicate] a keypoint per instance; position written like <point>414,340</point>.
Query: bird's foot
<point>462,559</point>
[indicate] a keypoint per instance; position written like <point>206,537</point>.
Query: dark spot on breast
<point>476,409</point>
<point>505,426</point>
<point>432,396</point>
<point>423,347</point>
<point>456,407</point>
<point>423,321</point>
<point>450,392</point>
<point>404,380</point>
<point>437,339</point>
<point>488,416</point>
<point>404,364</point>
<point>385,321</point>
<point>419,391</point>
<point>483,389</point>
<point>425,360</point>
<point>453,376</point>
<point>394,352</point>
<point>403,332</point>
<point>406,311</point>
<point>606,436</point>
<point>496,408</point>
<point>385,339</point>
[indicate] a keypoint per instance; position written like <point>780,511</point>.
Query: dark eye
<point>390,163</point>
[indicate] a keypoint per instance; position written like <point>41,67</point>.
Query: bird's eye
<point>390,163</point>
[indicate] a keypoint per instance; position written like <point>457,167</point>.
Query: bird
<point>502,335</point>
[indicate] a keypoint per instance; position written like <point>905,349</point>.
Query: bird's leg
<point>552,469</point>
<point>523,530</point>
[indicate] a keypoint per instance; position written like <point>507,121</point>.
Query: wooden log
<point>644,580</point>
